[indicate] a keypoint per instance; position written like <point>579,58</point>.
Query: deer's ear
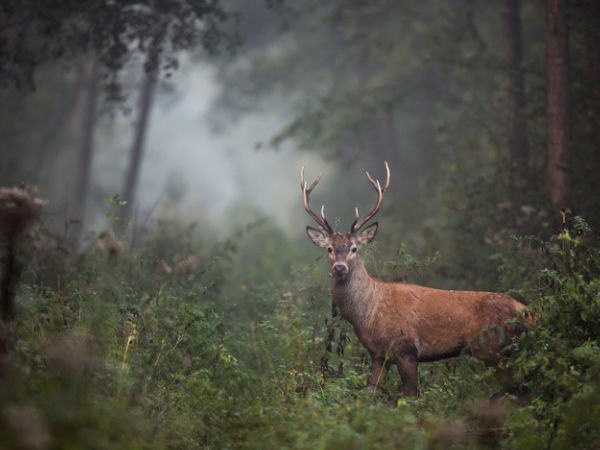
<point>317,237</point>
<point>368,234</point>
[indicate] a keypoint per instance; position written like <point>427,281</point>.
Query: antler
<point>322,221</point>
<point>360,222</point>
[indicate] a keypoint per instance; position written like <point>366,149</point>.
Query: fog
<point>195,172</point>
<point>358,90</point>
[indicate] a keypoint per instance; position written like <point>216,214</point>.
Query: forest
<point>158,284</point>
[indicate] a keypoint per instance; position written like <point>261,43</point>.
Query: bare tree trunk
<point>88,103</point>
<point>137,150</point>
<point>11,165</point>
<point>559,154</point>
<point>593,48</point>
<point>53,131</point>
<point>516,124</point>
<point>14,89</point>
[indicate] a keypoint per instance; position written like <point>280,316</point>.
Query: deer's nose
<point>340,268</point>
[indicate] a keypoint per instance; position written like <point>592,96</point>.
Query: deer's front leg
<point>405,357</point>
<point>409,374</point>
<point>379,370</point>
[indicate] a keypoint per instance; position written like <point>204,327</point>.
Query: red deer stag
<point>405,324</point>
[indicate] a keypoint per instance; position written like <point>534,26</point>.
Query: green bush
<point>559,359</point>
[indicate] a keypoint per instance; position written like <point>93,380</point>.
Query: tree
<point>32,33</point>
<point>401,81</point>
<point>146,96</point>
<point>592,32</point>
<point>559,154</point>
<point>516,123</point>
<point>88,98</point>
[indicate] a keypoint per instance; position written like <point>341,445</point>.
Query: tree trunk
<point>593,48</point>
<point>72,86</point>
<point>559,156</point>
<point>88,103</point>
<point>516,124</point>
<point>137,150</point>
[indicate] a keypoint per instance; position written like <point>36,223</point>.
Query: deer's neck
<point>357,296</point>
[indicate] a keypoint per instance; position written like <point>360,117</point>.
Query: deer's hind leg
<point>404,354</point>
<point>489,347</point>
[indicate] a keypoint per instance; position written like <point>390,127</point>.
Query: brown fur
<point>407,324</point>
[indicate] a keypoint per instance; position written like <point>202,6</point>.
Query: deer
<point>406,324</point>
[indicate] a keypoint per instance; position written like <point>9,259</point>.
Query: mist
<point>200,174</point>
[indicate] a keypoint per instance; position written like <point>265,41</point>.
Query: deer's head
<point>342,248</point>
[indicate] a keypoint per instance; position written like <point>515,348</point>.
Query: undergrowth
<point>180,344</point>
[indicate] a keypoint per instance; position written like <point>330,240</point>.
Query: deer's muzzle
<point>340,268</point>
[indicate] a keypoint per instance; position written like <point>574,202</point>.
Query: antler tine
<point>360,222</point>
<point>373,182</point>
<point>387,178</point>
<point>303,183</point>
<point>321,221</point>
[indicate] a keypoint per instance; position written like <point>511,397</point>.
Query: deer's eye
<point>354,249</point>
<point>330,249</point>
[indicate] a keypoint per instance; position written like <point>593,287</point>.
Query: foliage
<point>424,86</point>
<point>33,32</point>
<point>182,345</point>
<point>560,359</point>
